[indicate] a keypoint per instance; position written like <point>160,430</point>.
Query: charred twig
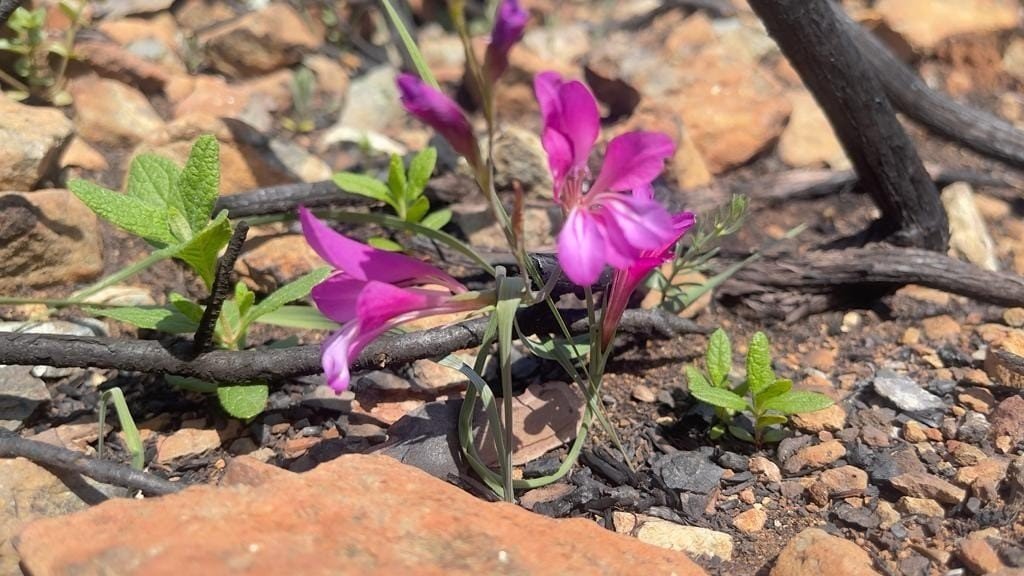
<point>978,130</point>
<point>821,49</point>
<point>844,272</point>
<point>235,367</point>
<point>114,473</point>
<point>285,198</point>
<point>221,288</point>
<point>714,8</point>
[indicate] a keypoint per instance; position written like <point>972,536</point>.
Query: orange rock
<point>356,515</point>
<point>814,552</point>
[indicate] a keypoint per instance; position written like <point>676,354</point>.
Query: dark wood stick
<point>220,291</point>
<point>980,131</point>
<point>7,7</point>
<point>237,367</point>
<point>821,49</point>
<point>114,473</point>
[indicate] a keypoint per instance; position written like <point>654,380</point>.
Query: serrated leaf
<point>719,358</point>
<point>437,219</point>
<point>381,243</point>
<point>705,392</point>
<point>779,388</point>
<point>298,288</point>
<point>243,401</point>
<point>154,180</point>
<point>420,170</point>
<point>797,402</point>
<point>190,309</point>
<point>417,210</point>
<point>199,183</point>
<point>201,252</point>
<point>396,178</point>
<point>123,211</point>
<point>167,320</point>
<point>364,186</point>
<point>179,225</point>
<point>759,364</point>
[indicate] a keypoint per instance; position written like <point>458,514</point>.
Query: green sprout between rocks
<point>40,65</point>
<point>303,86</point>
<point>764,398</point>
<point>403,192</point>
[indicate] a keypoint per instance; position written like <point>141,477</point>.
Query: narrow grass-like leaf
<point>303,317</point>
<point>132,439</point>
<point>410,45</point>
<point>290,292</point>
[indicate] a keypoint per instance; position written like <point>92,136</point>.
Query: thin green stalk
<point>120,275</point>
<point>410,45</point>
<point>65,56</point>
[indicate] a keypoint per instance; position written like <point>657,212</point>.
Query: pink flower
<point>509,24</point>
<point>441,113</point>
<point>603,225</point>
<point>625,280</point>
<point>372,292</point>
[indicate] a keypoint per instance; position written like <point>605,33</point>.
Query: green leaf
<point>418,209</point>
<point>705,392</point>
<point>551,348</point>
<point>200,253</point>
<point>410,46</point>
<point>199,183</point>
<point>167,320</point>
<point>132,439</point>
<point>382,243</point>
<point>759,364</point>
<point>229,324</point>
<point>798,402</point>
<point>437,219</point>
<point>154,180</point>
<point>365,186</point>
<point>179,225</point>
<point>774,435</point>
<point>396,179</point>
<point>190,309</point>
<point>740,433</point>
<point>770,420</point>
<point>719,358</point>
<point>243,401</point>
<point>298,288</point>
<point>420,170</point>
<point>779,388</point>
<point>305,317</point>
<point>123,211</point>
<point>244,297</point>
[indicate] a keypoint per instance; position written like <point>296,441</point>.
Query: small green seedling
<point>40,64</point>
<point>767,399</point>
<point>403,192</point>
<point>132,439</point>
<point>303,86</point>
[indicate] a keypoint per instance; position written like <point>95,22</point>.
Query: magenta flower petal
<point>641,223</point>
<point>509,25</point>
<point>336,297</point>
<point>569,109</point>
<point>335,355</point>
<point>632,160</point>
<point>379,303</point>
<point>581,248</point>
<point>441,113</point>
<point>366,263</point>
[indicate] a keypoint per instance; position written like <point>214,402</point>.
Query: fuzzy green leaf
<point>201,251</point>
<point>245,298</point>
<point>396,178</point>
<point>154,180</point>
<point>381,243</point>
<point>759,364</point>
<point>420,169</point>
<point>719,358</point>
<point>364,186</point>
<point>705,392</point>
<point>779,388</point>
<point>437,219</point>
<point>229,324</point>
<point>190,309</point>
<point>167,320</point>
<point>127,212</point>
<point>798,402</point>
<point>290,292</point>
<point>199,183</point>
<point>243,401</point>
<point>418,209</point>
<point>770,420</point>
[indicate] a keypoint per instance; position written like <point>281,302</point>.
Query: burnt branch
<point>821,49</point>
<point>114,473</point>
<point>220,291</point>
<point>286,198</point>
<point>237,367</point>
<point>980,131</point>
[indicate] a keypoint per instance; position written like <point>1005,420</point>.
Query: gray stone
<point>974,428</point>
<point>20,394</point>
<point>905,393</point>
<point>427,438</point>
<point>689,472</point>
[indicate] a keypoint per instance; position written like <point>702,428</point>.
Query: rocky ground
<point>917,469</point>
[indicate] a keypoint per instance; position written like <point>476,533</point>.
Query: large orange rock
<point>354,515</point>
